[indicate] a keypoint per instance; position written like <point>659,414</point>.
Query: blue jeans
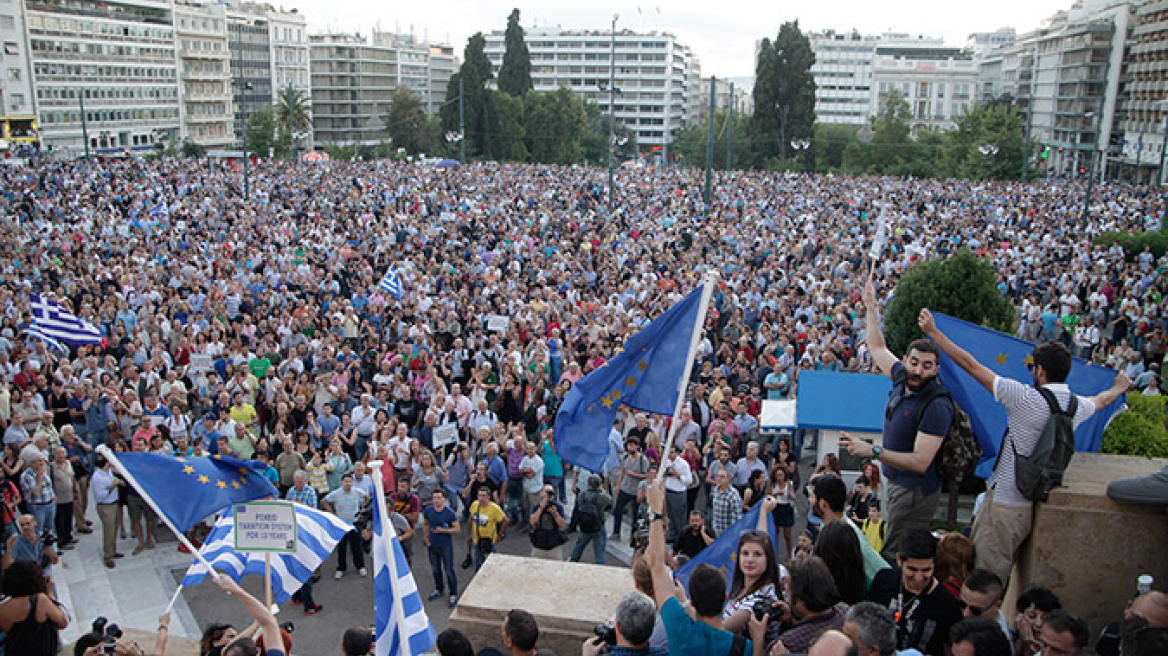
<point>45,514</point>
<point>479,557</point>
<point>440,557</point>
<point>598,540</point>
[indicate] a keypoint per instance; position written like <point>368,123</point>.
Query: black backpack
<point>1042,471</point>
<point>588,515</point>
<point>960,451</point>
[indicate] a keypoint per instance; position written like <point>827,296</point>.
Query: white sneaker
<point>363,572</point>
<point>338,575</point>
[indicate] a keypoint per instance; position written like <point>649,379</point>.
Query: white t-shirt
<point>1026,417</point>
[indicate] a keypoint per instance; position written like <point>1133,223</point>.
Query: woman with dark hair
<point>756,489</point>
<point>756,579</point>
<point>29,617</point>
<point>216,635</point>
<point>782,489</point>
<point>839,547</point>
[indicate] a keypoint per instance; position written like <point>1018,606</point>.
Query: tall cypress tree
<point>475,72</point>
<point>764,124</point>
<point>794,85</point>
<point>515,74</point>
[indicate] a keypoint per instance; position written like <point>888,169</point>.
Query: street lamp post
<point>988,151</point>
<point>800,145</point>
<point>85,123</point>
<point>247,86</point>
<point>1091,164</point>
<point>612,114</point>
<point>453,138</point>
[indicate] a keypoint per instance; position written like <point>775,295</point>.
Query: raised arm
<point>258,612</point>
<point>655,550</point>
<point>874,333</point>
<point>980,372</point>
<point>1108,396</point>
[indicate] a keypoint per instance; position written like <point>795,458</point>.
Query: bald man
<point>830,643</point>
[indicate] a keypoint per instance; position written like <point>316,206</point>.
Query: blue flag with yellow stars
<point>187,490</point>
<point>722,553</point>
<point>1008,356</point>
<point>645,374</point>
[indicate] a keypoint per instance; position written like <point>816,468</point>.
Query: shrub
<point>1140,431</point>
<point>1133,242</point>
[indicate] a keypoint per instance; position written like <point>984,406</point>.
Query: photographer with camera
<point>30,544</point>
<point>629,635</point>
<point>547,526</point>
<point>105,638</point>
<point>30,618</point>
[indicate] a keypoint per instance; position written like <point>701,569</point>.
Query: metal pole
<point>1163,151</point>
<point>1026,149</point>
<point>291,126</point>
<point>461,124</point>
<point>1090,183</point>
<point>710,144</point>
<point>246,172</point>
<point>85,125</point>
<point>612,115</point>
<point>730,132</point>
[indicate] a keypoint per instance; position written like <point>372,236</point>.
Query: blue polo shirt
<point>900,433</point>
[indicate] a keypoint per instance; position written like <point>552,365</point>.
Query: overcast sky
<point>722,34</point>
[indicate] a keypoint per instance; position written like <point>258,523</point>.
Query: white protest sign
<point>445,434</point>
<point>201,362</point>
<point>265,526</point>
<point>498,323</point>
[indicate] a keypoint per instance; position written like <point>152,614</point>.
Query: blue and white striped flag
<point>400,624</point>
<point>160,211</point>
<point>391,283</point>
<point>55,322</point>
<point>33,331</point>
<point>317,535</point>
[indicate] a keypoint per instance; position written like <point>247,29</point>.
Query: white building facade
<point>656,77</point>
<point>205,74</point>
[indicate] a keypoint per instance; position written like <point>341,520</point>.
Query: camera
<point>606,633</point>
<point>761,608</point>
<point>49,539</point>
<point>288,626</point>
<point>364,519</point>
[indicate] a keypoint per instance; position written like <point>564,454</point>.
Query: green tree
<point>407,123</point>
<point>262,137</point>
<point>765,123</point>
<point>962,285</point>
<point>557,123</point>
<point>474,74</point>
<point>515,73</point>
<point>829,144</point>
<point>794,86</point>
<point>893,134</point>
<point>192,149</point>
<point>505,141</point>
<point>988,143</point>
<point>690,142</point>
<point>594,143</point>
<point>296,102</point>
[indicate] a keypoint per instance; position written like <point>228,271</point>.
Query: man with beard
<point>909,447</point>
<point>1004,520</point>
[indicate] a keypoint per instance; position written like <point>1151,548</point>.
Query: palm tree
<point>293,109</point>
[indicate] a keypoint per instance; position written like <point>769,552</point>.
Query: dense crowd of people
<point>255,327</point>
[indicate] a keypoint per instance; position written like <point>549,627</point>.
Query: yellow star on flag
<point>616,394</point>
<point>1001,359</point>
<point>204,480</point>
<point>244,470</point>
<point>188,469</point>
<point>221,484</point>
<point>607,401</point>
<point>1028,360</point>
<point>235,484</point>
<point>180,459</point>
<point>630,381</point>
<point>642,365</point>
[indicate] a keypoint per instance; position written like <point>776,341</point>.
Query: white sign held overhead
<point>265,526</point>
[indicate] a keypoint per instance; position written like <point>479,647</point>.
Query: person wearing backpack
<point>1038,445</point>
<point>917,419</point>
<point>592,507</point>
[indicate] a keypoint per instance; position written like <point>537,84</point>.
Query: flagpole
<point>268,580</point>
<point>105,452</point>
<point>387,531</point>
<point>694,340</point>
<point>174,599</point>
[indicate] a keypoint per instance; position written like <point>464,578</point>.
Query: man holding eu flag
<point>1004,520</point>
<point>912,435</point>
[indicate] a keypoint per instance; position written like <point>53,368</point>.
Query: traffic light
<point>1046,152</point>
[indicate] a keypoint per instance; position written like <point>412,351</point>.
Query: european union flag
<point>723,551</point>
<point>1008,356</point>
<point>645,375</point>
<point>187,490</point>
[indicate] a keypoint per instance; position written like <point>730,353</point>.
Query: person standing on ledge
<point>1005,518</point>
<point>910,444</point>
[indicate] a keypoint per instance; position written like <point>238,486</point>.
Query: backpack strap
<point>1052,403</point>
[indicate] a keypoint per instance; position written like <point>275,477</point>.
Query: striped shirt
<point>1026,417</point>
<point>307,496</point>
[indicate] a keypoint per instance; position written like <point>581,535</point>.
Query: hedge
<point>1140,431</point>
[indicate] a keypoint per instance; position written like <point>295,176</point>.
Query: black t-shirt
<point>476,484</point>
<point>924,622</point>
<point>690,543</point>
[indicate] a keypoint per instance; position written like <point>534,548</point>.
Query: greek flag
<point>317,535</point>
<point>391,283</point>
<point>881,237</point>
<point>33,331</point>
<point>400,624</point>
<point>52,321</point>
<point>160,211</point>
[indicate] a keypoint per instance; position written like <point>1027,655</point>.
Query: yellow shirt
<point>874,531</point>
<point>245,415</point>
<point>486,523</point>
